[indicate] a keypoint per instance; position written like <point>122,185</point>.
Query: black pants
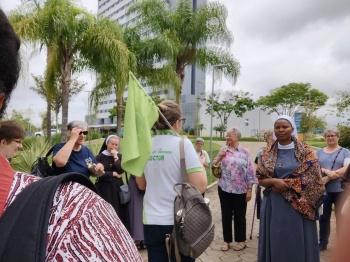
<point>236,205</point>
<point>155,243</point>
<point>325,227</point>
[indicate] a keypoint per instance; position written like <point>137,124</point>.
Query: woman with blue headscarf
<point>291,175</point>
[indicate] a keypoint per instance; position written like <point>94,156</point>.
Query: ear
<point>2,100</point>
<point>3,142</point>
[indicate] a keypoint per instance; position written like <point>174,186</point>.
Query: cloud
<point>276,42</point>
<point>275,19</point>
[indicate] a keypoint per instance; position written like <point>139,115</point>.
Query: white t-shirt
<point>203,157</point>
<point>162,172</point>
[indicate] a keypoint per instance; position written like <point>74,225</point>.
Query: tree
<point>53,98</point>
<point>48,94</point>
<point>311,122</point>
<point>75,88</point>
<point>221,129</point>
<point>224,104</point>
<point>76,40</point>
<point>23,121</point>
<point>287,99</point>
<point>344,139</point>
<point>343,102</point>
<point>167,40</point>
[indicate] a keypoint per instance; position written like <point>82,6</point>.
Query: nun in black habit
<point>109,184</point>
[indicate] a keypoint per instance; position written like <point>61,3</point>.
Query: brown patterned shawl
<point>306,187</point>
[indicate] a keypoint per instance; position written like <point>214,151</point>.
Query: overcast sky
<point>276,42</point>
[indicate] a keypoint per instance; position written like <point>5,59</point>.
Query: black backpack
<point>24,224</point>
<point>41,167</point>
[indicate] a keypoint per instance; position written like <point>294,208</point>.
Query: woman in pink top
<point>235,188</point>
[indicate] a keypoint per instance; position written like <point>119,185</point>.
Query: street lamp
<point>211,114</point>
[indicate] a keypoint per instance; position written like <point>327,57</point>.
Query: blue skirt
<point>285,236</point>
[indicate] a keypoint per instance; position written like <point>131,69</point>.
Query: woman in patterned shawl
<point>289,171</point>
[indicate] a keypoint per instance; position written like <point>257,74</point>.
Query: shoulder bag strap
<point>25,222</point>
<point>50,151</point>
<point>126,178</point>
<point>336,156</point>
<point>182,159</point>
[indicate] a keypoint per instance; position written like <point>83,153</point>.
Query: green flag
<point>140,115</point>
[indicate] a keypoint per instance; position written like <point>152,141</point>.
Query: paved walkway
<point>214,254</point>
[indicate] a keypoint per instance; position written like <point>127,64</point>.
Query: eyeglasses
<point>83,133</point>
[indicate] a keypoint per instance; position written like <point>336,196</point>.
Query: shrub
<point>94,134</point>
<point>32,149</point>
<point>56,139</point>
<point>344,140</point>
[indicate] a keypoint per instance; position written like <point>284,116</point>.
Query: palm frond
<point>24,160</point>
<point>214,56</point>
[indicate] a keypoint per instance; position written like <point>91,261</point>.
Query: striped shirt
<point>82,226</point>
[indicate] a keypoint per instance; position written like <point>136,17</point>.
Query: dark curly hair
<point>9,59</point>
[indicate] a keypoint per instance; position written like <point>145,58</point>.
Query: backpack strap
<point>182,159</point>
<point>50,151</point>
<point>25,222</point>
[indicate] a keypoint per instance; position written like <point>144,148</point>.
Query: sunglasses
<point>83,133</point>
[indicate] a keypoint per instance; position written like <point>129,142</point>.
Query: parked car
<point>41,132</point>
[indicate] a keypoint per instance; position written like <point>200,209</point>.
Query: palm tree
<point>48,95</point>
<point>78,41</point>
<point>167,40</point>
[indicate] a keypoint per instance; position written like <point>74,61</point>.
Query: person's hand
<point>279,185</point>
<point>74,133</point>
<point>115,174</point>
<point>248,195</point>
<point>325,179</point>
<point>99,169</point>
<point>332,174</point>
<point>114,153</point>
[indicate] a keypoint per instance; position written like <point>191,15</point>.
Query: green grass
<point>316,143</point>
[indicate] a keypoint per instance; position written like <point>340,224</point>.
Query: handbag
<point>216,170</point>
<point>124,192</point>
<point>41,167</point>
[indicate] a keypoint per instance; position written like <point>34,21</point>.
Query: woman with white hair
<point>109,184</point>
<point>235,189</point>
<point>331,158</point>
<point>291,175</point>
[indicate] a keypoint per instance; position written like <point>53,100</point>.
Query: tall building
<point>194,82</point>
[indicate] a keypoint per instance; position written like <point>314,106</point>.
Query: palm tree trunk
<point>48,120</point>
<point>120,111</point>
<point>180,71</point>
<point>48,99</point>
<point>56,120</point>
<point>66,73</point>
